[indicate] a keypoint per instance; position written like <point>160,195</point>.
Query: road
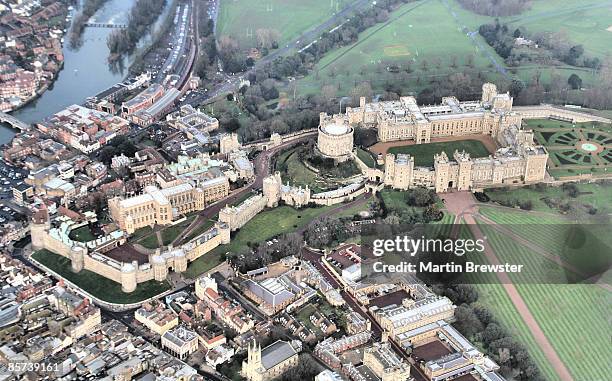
<point>306,38</point>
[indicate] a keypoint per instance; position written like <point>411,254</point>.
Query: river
<point>86,70</point>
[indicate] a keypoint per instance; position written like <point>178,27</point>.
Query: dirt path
<point>486,140</point>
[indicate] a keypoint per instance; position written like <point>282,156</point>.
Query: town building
<point>156,317</point>
<point>22,193</point>
<point>82,128</point>
<point>269,362</point>
<point>192,121</point>
<point>396,319</point>
<point>180,341</point>
<point>228,311</point>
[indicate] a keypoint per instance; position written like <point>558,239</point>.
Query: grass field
<point>262,227</point>
<point>424,153</point>
<point>571,315</point>
<point>367,157</point>
<point>495,298</point>
<point>241,19</point>
<point>417,32</point>
<point>150,241</point>
<point>98,285</point>
<point>436,32</point>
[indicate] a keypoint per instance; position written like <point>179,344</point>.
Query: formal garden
<point>574,148</point>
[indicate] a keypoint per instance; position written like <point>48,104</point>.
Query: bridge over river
<point>14,122</point>
<point>105,25</point>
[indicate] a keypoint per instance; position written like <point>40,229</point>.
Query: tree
<point>467,322</point>
<point>516,86</point>
<point>517,33</point>
<point>575,81</point>
<point>328,92</point>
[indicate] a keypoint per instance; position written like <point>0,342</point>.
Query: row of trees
<point>142,16</point>
<point>256,255</point>
<point>564,90</point>
<point>207,50</point>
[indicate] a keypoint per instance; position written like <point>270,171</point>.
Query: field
<point>437,37</point>
<point>262,227</point>
<point>574,148</point>
<point>424,153</point>
<point>240,19</point>
<point>98,285</point>
<point>421,33</point>
<point>585,22</point>
<point>596,194</point>
<point>572,316</point>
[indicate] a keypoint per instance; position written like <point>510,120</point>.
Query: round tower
<point>128,276</point>
<point>160,271</point>
<point>224,231</point>
<point>180,261</point>
<point>77,258</point>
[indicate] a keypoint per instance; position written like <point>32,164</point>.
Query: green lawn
<point>494,298</point>
<point>429,35</point>
<point>240,19</point>
<point>596,194</point>
<point>265,225</point>
<point>367,157</point>
<point>584,21</point>
<point>200,229</point>
<point>141,233</point>
<point>424,153</point>
<point>418,33</point>
<point>150,241</point>
<point>98,285</point>
<point>82,234</point>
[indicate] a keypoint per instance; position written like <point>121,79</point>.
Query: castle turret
<point>160,270</point>
<point>442,169</point>
<point>180,261</point>
<point>464,175</point>
<point>39,227</point>
<point>224,232</point>
<point>77,258</point>
<point>272,189</point>
<point>128,276</point>
<point>489,91</point>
